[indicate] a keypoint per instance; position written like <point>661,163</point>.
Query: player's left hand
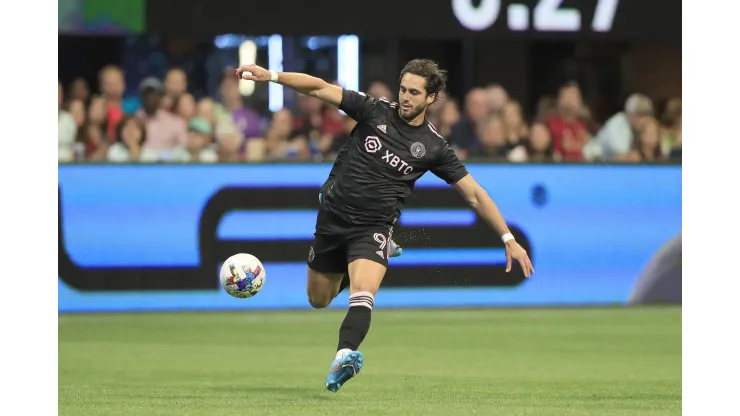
<point>516,252</point>
<point>253,72</point>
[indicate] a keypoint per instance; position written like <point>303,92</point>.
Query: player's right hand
<point>516,252</point>
<point>253,72</point>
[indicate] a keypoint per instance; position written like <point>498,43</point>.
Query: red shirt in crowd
<point>568,137</point>
<point>114,114</point>
<point>328,124</point>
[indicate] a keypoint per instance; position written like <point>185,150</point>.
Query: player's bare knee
<point>362,285</point>
<point>318,301</point>
<point>322,288</point>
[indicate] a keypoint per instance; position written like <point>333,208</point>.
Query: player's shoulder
<point>433,137</point>
<point>434,134</point>
<point>384,106</point>
<point>391,105</point>
<point>378,104</point>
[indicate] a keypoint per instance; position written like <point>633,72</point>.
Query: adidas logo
<point>382,128</point>
<point>380,253</point>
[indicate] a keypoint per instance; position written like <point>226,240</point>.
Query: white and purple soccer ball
<point>242,275</point>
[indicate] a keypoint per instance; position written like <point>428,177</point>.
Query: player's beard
<point>413,113</point>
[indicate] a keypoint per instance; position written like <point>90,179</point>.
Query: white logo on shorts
<point>380,238</point>
<point>311,254</point>
<point>418,150</point>
<point>372,144</point>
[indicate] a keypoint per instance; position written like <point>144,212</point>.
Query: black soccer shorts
<point>331,251</point>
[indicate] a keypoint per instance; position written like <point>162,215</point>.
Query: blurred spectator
<point>96,112</point>
<point>175,85</point>
<point>280,143</point>
<point>278,132</point>
<point>646,147</point>
<point>230,143</point>
<point>492,144</point>
<point>164,130</point>
<point>516,128</point>
<point>569,131</point>
<point>198,147</point>
<point>96,116</point>
<point>537,148</point>
<point>464,133</point>
<point>546,107</point>
<point>333,121</point>
<point>76,108</point>
<point>166,103</point>
<point>434,112</point>
<point>380,89</point>
<point>496,98</point>
<point>130,134</point>
<point>591,124</point>
<point>329,146</point>
<point>255,150</point>
<point>94,142</point>
<point>309,115</point>
<point>79,114</point>
<point>79,90</point>
<point>232,108</point>
<point>205,109</point>
<point>93,136</point>
<point>314,124</point>
<point>490,126</point>
<point>449,116</point>
<point>670,139</point>
<point>185,108</point>
<point>67,131</point>
<point>614,141</point>
<point>112,86</point>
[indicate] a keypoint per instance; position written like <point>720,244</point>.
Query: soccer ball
<point>242,275</point>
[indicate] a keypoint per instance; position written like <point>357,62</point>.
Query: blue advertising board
<point>150,237</point>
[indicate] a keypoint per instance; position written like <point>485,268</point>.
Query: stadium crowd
<point>169,125</point>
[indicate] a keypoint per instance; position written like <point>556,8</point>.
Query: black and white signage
<point>546,15</point>
<point>425,19</point>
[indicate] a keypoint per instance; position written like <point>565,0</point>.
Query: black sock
<point>357,322</point>
<point>344,284</point>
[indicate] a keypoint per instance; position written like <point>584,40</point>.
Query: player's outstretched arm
<point>303,83</point>
<point>479,200</point>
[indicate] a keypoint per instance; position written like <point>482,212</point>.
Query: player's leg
<point>368,256</point>
<point>396,251</point>
<point>365,279</point>
<point>326,267</point>
<point>322,288</point>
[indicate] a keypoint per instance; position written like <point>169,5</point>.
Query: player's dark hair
<point>435,77</point>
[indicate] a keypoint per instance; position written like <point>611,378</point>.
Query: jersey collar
<point>404,124</point>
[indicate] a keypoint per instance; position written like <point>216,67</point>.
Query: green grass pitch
<point>560,362</point>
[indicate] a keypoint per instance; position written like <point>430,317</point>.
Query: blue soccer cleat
<point>396,250</point>
<point>343,369</point>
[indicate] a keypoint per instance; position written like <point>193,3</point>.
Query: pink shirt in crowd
<point>164,131</point>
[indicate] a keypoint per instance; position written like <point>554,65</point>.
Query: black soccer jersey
<point>376,169</point>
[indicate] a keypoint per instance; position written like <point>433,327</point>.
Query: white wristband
<point>506,237</point>
<point>273,76</point>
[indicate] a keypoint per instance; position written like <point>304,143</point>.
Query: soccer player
<point>389,149</point>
